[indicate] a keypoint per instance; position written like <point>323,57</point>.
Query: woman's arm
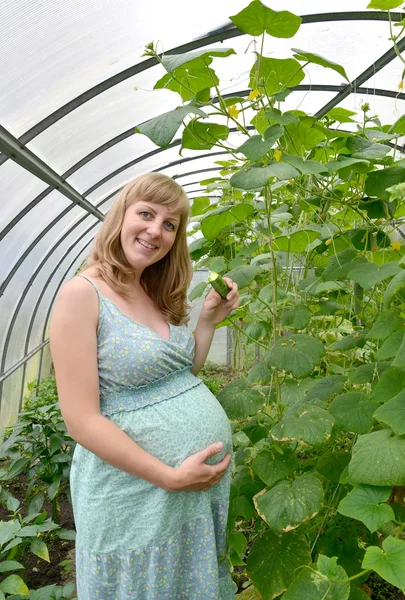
<point>214,310</point>
<point>74,352</point>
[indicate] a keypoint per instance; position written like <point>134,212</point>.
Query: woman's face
<point>148,232</point>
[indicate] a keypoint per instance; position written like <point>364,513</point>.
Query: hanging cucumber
<point>218,284</point>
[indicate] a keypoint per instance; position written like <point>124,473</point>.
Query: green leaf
<point>44,593</point>
<point>199,205</point>
<point>62,457</point>
<point>174,61</point>
<point>385,5</point>
<point>303,136</point>
<point>53,489</point>
<point>298,354</point>
<point>332,464</point>
<point>399,125</point>
<point>239,401</point>
<point>390,346</point>
<point>388,562</point>
<point>257,427</point>
<point>288,504</point>
<point>367,504</point>
<point>259,374</point>
<point>392,413</point>
<point>387,322</point>
<point>399,360</point>
<point>281,118</point>
<point>252,178</point>
<point>256,18</point>
<point>306,167</point>
<point>10,565</point>
<point>257,331</point>
<point>391,383</point>
<point>395,285</point>
<point>13,584</point>
<point>197,291</point>
<point>68,589</point>
<point>349,342</point>
<point>307,586</point>
<point>8,530</point>
<point>203,136</point>
<point>16,467</point>
<point>36,503</point>
<point>362,148</point>
<point>39,548</point>
<point>378,459</point>
<point>353,412</point>
<point>296,242</point>
<point>297,317</point>
<point>274,74</point>
<point>243,276</point>
<point>341,115</point>
<point>369,274</point>
<point>66,534</point>
<point>325,388</point>
<point>377,182</point>
<point>309,57</point>
<point>273,561</point>
<point>343,162</point>
<point>215,263</point>
<point>216,220</point>
<point>305,423</point>
<point>366,373</point>
<point>272,467</point>
<point>162,129</point>
<point>255,147</point>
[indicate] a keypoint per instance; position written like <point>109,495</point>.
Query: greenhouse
<point>284,124</point>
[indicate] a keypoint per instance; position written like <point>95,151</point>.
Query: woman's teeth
<point>143,243</point>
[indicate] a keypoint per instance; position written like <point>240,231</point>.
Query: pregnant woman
<point>151,471</point>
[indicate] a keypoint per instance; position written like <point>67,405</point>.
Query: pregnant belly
<point>173,429</point>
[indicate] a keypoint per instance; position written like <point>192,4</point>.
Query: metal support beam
<point>15,150</point>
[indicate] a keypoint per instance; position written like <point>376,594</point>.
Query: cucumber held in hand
<point>218,284</point>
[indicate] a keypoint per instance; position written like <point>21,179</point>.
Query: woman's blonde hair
<point>165,281</point>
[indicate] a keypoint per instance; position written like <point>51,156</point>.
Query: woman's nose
<point>155,229</point>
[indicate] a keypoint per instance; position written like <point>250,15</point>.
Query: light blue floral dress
<point>134,540</point>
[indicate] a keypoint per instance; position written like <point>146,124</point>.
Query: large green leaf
<point>309,586</point>
<point>239,401</point>
<point>357,340</point>
<point>288,504</point>
<point>332,464</point>
<point>303,136</point>
<point>378,459</point>
<point>243,488</point>
<point>343,162</point>
<point>10,565</point>
<point>306,167</point>
<point>353,411</point>
<point>341,264</point>
<point>39,548</point>
<point>257,427</point>
<point>385,5</point>
<point>189,81</point>
<point>297,317</point>
<point>199,205</point>
<point>13,584</point>
<point>367,503</point>
<point>377,182</point>
<point>296,242</point>
<point>252,178</point>
<point>272,467</point>
<point>388,562</point>
<point>390,346</point>
<point>162,129</point>
<point>257,18</point>
<point>298,354</point>
<point>395,285</point>
<point>243,276</point>
<point>309,57</point>
<point>255,147</point>
<point>8,530</point>
<point>369,274</point>
<point>392,413</point>
<point>362,148</point>
<point>203,136</point>
<point>368,372</point>
<point>392,382</point>
<point>216,220</point>
<point>174,61</point>
<point>305,423</point>
<point>325,388</point>
<point>259,373</point>
<point>341,115</point>
<point>387,322</point>
<point>273,561</point>
<point>274,74</point>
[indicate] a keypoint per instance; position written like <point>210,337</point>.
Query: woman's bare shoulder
<point>77,294</point>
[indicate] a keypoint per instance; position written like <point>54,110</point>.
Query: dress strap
<point>90,281</point>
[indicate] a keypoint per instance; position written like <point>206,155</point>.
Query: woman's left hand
<point>214,309</point>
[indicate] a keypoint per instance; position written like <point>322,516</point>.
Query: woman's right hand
<point>195,475</point>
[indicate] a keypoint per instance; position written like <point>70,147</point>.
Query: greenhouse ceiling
<point>75,86</point>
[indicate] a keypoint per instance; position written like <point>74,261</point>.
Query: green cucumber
<point>218,284</point>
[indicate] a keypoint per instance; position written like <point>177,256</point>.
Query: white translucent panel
<point>17,188</point>
<point>387,78</point>
<point>54,51</point>
<point>15,243</point>
<point>10,299</point>
<point>10,399</point>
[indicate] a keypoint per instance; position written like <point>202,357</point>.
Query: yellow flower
<point>328,242</point>
<point>396,245</point>
<point>253,94</point>
<point>277,154</point>
<point>233,111</point>
<point>401,85</point>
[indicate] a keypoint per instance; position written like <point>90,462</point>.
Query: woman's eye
<point>144,213</point>
<point>169,226</point>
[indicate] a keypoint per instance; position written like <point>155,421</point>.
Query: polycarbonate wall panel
<point>17,188</point>
<point>10,399</point>
<point>13,245</point>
